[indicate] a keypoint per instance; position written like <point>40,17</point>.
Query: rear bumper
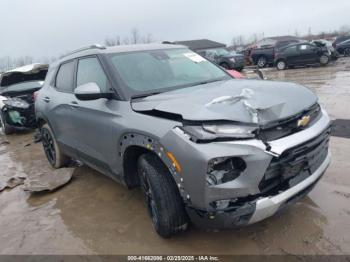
<point>257,210</point>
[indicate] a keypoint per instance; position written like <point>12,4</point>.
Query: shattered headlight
<point>231,130</point>
<point>16,102</point>
<point>212,132</point>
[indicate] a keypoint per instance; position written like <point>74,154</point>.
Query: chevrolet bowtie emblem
<point>304,121</point>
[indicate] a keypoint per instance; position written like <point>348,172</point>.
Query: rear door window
<point>292,50</point>
<point>65,77</point>
<point>90,70</point>
<point>304,48</point>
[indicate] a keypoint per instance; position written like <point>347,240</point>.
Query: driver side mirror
<point>90,91</point>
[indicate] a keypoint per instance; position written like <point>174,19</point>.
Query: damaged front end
<point>246,156</point>
<point>17,91</point>
<point>18,112</point>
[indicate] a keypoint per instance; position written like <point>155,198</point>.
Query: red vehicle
<point>234,73</point>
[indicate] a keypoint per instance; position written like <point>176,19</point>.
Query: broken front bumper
<point>18,118</point>
<point>305,153</point>
<point>268,206</point>
<point>257,210</point>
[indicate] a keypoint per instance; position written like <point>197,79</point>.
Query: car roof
<point>97,49</point>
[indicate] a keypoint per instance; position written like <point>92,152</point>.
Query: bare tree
<point>296,33</point>
<point>344,29</point>
<point>147,39</point>
<point>135,36</point>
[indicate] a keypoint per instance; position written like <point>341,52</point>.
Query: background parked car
<point>340,39</point>
<point>301,55</point>
<point>344,48</point>
<point>266,54</point>
<point>222,57</point>
<point>216,53</point>
<point>325,43</point>
<point>17,89</point>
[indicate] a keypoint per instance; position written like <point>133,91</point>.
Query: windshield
<point>156,71</point>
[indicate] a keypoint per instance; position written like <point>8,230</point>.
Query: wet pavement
<point>94,215</point>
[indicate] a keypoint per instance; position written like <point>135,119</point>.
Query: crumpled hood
<point>25,73</point>
<point>248,101</point>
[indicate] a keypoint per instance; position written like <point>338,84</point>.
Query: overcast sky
<point>51,27</point>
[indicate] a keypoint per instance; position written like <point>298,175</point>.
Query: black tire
<point>164,203</point>
<point>262,62</point>
<point>5,128</point>
<point>347,52</point>
<point>225,65</point>
<point>324,60</point>
<point>239,69</point>
<point>281,65</point>
<point>52,150</point>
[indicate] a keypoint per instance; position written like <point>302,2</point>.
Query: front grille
<point>289,126</point>
<point>295,164</point>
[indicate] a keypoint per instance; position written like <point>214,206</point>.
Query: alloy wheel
<point>49,145</point>
<point>147,191</point>
<point>347,52</point>
<point>281,65</point>
<point>324,59</point>
<point>261,62</point>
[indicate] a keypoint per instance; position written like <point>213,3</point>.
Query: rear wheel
<point>281,65</point>
<point>262,61</point>
<point>163,200</point>
<point>324,60</point>
<point>5,128</point>
<point>52,151</point>
<point>347,52</point>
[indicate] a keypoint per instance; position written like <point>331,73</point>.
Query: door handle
<point>46,99</point>
<point>74,104</point>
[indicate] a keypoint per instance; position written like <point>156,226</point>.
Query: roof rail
<point>95,46</point>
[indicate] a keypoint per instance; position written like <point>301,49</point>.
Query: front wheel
<point>52,150</point>
<point>281,65</point>
<point>163,200</point>
<point>324,60</point>
<point>262,61</point>
<point>347,52</point>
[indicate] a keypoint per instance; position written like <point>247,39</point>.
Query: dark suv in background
<point>216,53</point>
<point>344,47</point>
<point>265,55</point>
<point>224,58</point>
<point>301,54</point>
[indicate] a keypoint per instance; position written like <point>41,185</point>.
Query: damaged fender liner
<point>151,144</point>
<point>222,219</point>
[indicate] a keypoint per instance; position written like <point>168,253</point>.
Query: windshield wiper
<point>145,95</point>
<point>207,82</point>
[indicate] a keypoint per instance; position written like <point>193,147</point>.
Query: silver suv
<point>204,147</point>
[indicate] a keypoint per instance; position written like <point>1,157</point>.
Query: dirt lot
<point>94,215</point>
